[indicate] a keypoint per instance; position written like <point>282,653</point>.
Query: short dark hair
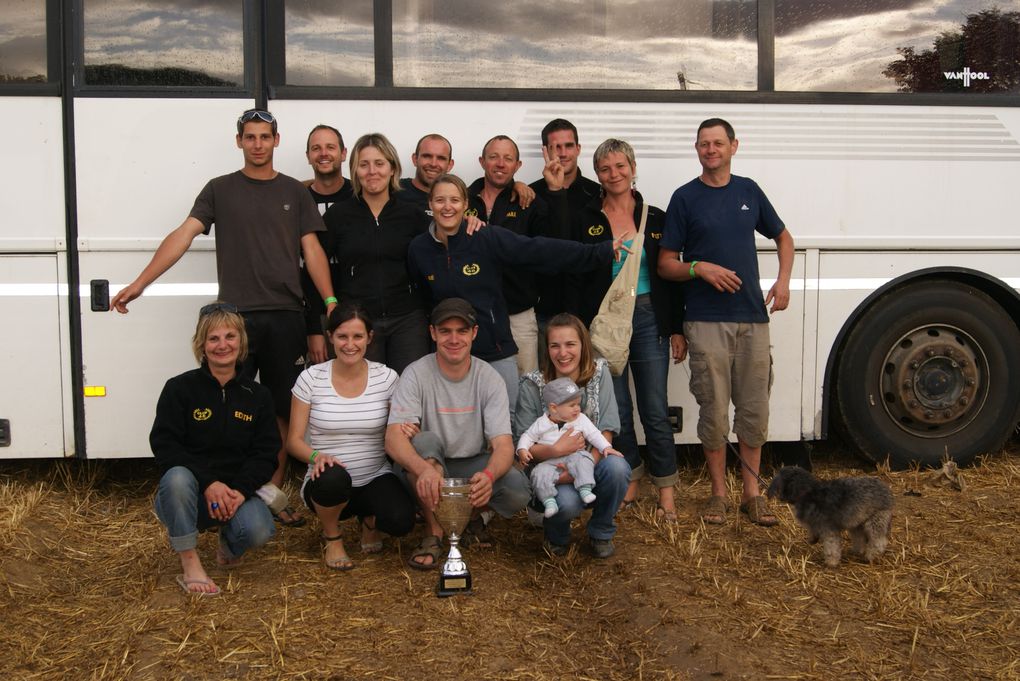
<point>556,125</point>
<point>323,126</point>
<point>345,312</point>
<point>716,122</point>
<point>501,138</point>
<point>433,136</point>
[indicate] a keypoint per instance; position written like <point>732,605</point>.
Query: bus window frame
<point>264,46</point>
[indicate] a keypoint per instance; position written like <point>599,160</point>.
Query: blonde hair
<point>214,319</point>
<point>379,141</point>
<point>450,178</point>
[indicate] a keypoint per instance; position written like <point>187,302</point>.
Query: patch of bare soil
<point>87,591</point>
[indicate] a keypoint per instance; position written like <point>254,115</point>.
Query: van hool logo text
<point>966,75</point>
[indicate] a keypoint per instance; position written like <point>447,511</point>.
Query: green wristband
<point>331,299</point>
<point>315,453</point>
<point>694,275</point>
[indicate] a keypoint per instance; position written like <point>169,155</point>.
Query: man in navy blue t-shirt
<point>709,241</point>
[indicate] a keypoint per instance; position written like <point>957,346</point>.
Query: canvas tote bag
<point>613,325</point>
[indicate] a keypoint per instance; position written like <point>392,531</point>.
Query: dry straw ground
<point>87,592</point>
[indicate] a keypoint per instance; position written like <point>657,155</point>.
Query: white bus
<point>885,133</point>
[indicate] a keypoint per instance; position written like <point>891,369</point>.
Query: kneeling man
<point>450,417</point>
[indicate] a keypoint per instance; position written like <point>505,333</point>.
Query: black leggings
<point>384,497</point>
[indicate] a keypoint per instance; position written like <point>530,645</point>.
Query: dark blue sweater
<point>472,267</point>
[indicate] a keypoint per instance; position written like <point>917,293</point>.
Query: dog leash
<point>744,464</point>
<point>732,448</point>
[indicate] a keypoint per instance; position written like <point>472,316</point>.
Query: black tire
<point>930,371</point>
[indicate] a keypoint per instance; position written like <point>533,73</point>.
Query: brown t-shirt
<point>259,225</point>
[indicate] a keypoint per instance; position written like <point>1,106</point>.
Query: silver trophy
<point>453,514</point>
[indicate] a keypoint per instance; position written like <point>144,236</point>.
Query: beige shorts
<point>730,361</point>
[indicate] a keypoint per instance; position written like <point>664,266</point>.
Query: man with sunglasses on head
<point>265,223</point>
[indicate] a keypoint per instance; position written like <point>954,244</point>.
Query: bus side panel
<point>141,163</point>
<point>30,358</point>
<point>34,355</point>
<point>849,277</point>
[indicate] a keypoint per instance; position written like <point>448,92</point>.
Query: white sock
<point>551,507</point>
<point>587,496</point>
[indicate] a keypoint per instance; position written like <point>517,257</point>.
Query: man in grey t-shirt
<point>450,417</point>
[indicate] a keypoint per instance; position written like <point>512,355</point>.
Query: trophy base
<point>452,585</point>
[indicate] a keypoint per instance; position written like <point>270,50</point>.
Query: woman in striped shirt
<point>343,405</point>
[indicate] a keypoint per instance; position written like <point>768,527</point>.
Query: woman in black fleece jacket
<point>215,439</point>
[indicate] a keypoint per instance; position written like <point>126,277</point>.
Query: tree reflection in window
<point>983,56</point>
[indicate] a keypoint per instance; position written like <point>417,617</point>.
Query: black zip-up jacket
<point>471,267</point>
<point>564,207</point>
<point>371,255</point>
<point>226,434</point>
<point>591,226</point>
<point>520,289</point>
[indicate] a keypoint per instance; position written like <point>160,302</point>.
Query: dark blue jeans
<point>611,477</point>
<point>649,364</point>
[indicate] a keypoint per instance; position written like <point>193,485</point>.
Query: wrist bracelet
<point>492,479</point>
<point>331,299</point>
<point>694,275</point>
<point>315,453</point>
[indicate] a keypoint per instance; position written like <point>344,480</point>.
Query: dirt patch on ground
<point>87,591</point>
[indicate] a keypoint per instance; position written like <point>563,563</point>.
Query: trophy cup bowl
<point>453,514</point>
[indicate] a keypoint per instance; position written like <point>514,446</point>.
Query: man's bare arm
<point>170,250</point>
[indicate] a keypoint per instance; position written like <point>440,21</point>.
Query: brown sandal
<point>757,511</point>
<point>430,545</point>
<point>715,510</point>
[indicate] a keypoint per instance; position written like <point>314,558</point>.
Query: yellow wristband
<point>694,275</point>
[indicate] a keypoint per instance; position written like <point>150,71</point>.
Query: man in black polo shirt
<point>493,199</point>
<point>560,147</point>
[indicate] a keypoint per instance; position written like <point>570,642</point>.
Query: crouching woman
<point>215,438</point>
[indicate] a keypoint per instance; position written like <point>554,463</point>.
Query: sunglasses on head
<point>255,115</point>
<point>217,307</point>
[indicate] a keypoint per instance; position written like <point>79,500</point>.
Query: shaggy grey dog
<point>863,506</point>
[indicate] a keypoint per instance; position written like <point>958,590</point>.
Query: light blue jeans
<point>180,506</point>
<point>649,362</point>
<point>612,475</point>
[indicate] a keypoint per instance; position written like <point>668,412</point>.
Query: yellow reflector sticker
<point>95,391</point>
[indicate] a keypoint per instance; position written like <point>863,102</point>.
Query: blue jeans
<point>649,362</point>
<point>612,474</point>
<point>180,507</point>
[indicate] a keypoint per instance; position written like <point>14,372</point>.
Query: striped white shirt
<point>351,429</point>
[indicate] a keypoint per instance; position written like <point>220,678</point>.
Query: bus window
<point>966,46</point>
<point>155,43</point>
<point>329,43</point>
<point>576,44</point>
<point>23,42</point>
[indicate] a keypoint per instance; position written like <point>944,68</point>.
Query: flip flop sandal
<point>666,516</point>
<point>428,546</point>
<point>185,585</point>
<point>757,511</point>
<point>372,546</point>
<point>294,521</point>
<point>715,510</point>
<point>341,564</point>
<point>476,534</point>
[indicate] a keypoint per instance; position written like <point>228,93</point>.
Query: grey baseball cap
<point>561,391</point>
<point>453,307</point>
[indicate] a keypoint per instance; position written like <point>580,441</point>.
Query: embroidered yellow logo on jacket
<point>202,414</point>
<point>471,270</point>
<point>655,235</point>
<point>241,416</point>
<point>471,213</point>
<point>596,230</point>
<point>511,213</point>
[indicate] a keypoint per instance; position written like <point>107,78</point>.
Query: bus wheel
<point>931,371</point>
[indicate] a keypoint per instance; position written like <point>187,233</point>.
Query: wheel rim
<point>934,381</point>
